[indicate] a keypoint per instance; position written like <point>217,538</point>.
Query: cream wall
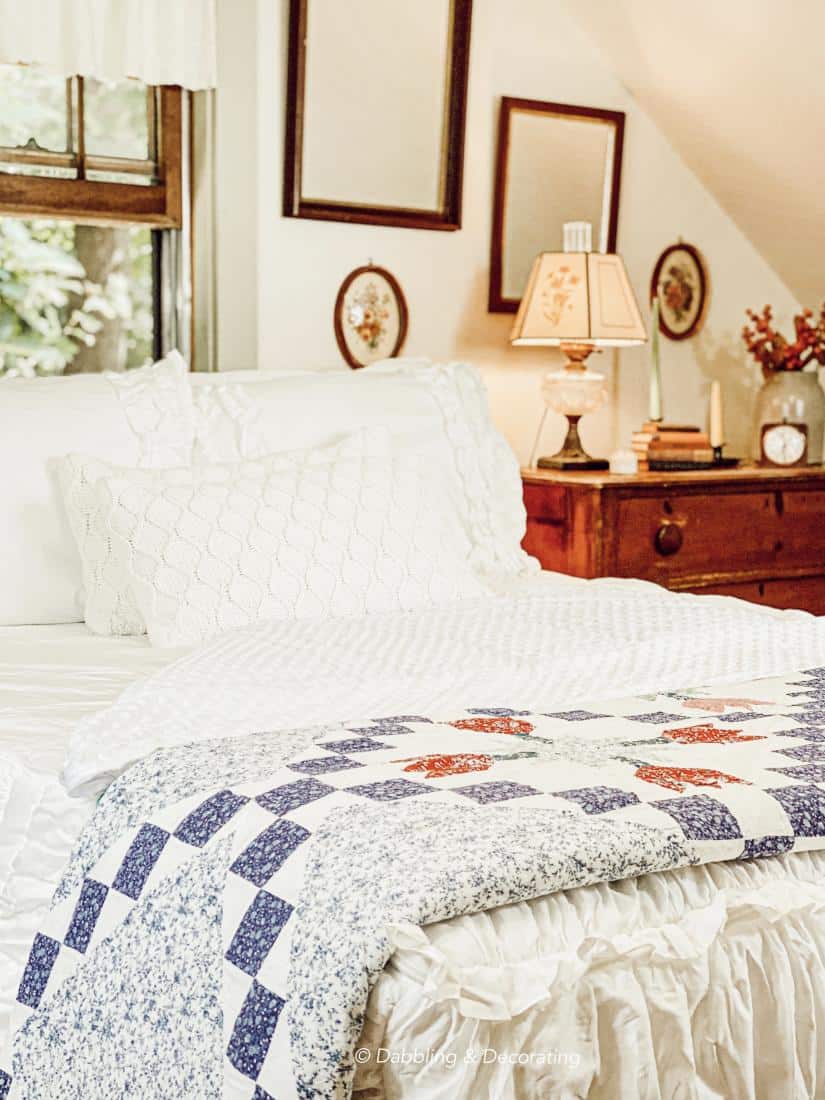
<point>279,276</point>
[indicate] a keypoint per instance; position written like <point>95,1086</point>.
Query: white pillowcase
<point>439,410</point>
<point>142,417</point>
<point>307,535</point>
<point>110,604</point>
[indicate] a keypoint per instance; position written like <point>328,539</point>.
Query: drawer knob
<point>668,539</point>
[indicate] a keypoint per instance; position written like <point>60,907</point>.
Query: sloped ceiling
<point>738,87</point>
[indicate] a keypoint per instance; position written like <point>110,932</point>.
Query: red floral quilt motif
<point>677,779</point>
<point>707,734</point>
<point>455,763</point>
<point>493,725</point>
<point>717,706</point>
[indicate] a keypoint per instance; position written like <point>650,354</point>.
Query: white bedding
<point>548,642</point>
<point>50,678</point>
<point>704,980</point>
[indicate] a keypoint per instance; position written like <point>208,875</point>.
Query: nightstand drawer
<point>758,534</point>
<point>696,535</point>
<point>787,592</point>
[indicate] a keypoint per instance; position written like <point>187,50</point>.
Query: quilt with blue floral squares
<point>226,912</point>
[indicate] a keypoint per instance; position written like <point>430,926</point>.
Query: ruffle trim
<point>506,990</point>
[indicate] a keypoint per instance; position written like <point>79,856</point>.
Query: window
<point>90,205</point>
<point>85,149</point>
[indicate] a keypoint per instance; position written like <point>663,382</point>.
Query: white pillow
<point>300,538</point>
<point>142,417</point>
<point>439,410</point>
<point>110,605</point>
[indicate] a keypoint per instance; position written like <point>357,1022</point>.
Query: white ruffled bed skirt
<point>706,982</point>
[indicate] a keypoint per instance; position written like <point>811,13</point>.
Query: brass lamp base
<point>572,455</point>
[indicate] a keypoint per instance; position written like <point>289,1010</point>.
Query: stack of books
<point>660,446</point>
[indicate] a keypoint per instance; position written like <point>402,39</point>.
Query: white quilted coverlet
<point>540,646</point>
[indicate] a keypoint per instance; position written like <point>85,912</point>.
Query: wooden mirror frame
<point>497,303</point>
<point>448,216</point>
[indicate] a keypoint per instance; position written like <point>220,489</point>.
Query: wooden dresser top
<point>746,477</point>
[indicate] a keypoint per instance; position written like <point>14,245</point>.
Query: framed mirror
<point>555,164</point>
<point>376,101</point>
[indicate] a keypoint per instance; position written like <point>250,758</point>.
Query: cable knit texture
<point>138,418</point>
<point>307,535</point>
<point>450,420</point>
<point>157,404</point>
<point>111,606</point>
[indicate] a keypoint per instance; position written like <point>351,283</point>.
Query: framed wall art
<point>376,104</point>
<point>370,316</point>
<point>555,163</point>
<point>680,282</point>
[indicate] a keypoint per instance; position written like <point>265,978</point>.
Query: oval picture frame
<point>370,316</point>
<point>680,282</point>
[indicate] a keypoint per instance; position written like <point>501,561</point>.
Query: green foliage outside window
<point>72,297</point>
<point>50,310</point>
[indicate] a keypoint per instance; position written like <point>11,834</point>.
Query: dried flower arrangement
<point>773,352</point>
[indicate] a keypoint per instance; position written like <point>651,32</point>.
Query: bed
<point>542,838</point>
<point>50,678</point>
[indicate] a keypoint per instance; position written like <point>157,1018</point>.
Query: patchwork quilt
<point>228,909</point>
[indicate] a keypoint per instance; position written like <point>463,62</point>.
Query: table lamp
<point>576,301</point>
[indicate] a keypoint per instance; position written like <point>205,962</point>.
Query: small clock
<point>784,444</point>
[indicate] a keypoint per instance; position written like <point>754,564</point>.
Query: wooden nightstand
<point>754,533</point>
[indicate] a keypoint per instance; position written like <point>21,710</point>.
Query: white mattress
<point>50,678</point>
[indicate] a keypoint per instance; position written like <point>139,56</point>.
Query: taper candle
<point>655,409</point>
<point>717,426</point>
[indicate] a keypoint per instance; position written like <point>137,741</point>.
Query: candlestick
<point>655,408</point>
<point>717,427</point>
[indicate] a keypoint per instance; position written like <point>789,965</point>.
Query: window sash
<point>79,199</point>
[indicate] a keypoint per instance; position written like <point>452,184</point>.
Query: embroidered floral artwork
<point>678,290</point>
<point>370,316</point>
<point>680,283</point>
<point>368,312</point>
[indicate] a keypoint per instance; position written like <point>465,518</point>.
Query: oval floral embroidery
<point>456,763</point>
<point>677,779</point>
<point>493,725</point>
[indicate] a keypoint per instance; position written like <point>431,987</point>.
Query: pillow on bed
<point>435,410</point>
<point>110,605</point>
<point>301,536</point>
<point>141,417</point>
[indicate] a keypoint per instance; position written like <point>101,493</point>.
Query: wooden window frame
<point>95,202</point>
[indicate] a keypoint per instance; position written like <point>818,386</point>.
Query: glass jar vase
<point>797,397</point>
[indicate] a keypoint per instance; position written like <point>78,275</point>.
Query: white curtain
<point>157,41</point>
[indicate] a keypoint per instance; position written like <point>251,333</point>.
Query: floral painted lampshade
<point>578,298</point>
